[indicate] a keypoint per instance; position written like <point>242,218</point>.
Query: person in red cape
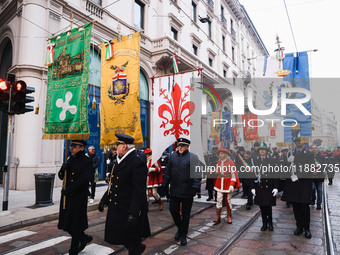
<point>226,182</point>
<point>155,178</point>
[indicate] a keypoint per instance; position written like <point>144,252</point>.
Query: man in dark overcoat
<point>330,160</point>
<point>298,188</point>
<point>184,184</point>
<point>265,187</point>
<point>75,173</point>
<point>127,221</point>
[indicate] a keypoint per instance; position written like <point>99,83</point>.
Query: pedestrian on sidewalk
<point>95,164</point>
<point>226,182</point>
<point>127,221</point>
<point>265,188</point>
<point>298,188</point>
<point>155,178</point>
<point>184,185</point>
<point>318,177</point>
<point>75,173</point>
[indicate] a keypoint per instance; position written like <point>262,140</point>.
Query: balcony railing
<point>94,9</point>
<point>211,4</point>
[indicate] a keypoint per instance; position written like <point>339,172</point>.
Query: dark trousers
<point>317,187</point>
<point>302,215</point>
<point>134,249</point>
<point>93,189</point>
<point>267,214</point>
<point>248,194</point>
<point>76,239</point>
<point>182,222</point>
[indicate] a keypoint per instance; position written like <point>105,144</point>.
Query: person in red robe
<point>226,182</point>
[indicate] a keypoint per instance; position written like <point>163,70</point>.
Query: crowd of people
<point>132,179</point>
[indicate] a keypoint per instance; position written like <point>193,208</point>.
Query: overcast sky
<point>316,26</point>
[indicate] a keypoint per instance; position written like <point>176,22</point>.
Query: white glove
<point>254,192</point>
<point>108,161</point>
<point>152,169</point>
<point>275,191</point>
<point>294,178</point>
<point>291,159</point>
<point>231,188</point>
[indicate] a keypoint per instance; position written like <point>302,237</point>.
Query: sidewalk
<point>22,212</point>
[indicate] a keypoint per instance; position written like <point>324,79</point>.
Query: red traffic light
<point>20,86</point>
<point>4,85</point>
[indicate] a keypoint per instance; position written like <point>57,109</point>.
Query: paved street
<point>203,237</point>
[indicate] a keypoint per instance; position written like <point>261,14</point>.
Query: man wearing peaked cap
<point>184,184</point>
<point>298,188</point>
<point>76,174</point>
<point>126,221</point>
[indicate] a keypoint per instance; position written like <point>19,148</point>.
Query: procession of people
<point>262,174</point>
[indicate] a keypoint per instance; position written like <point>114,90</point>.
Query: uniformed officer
<point>298,188</point>
<point>76,174</point>
<point>184,184</point>
<point>330,161</point>
<point>248,177</point>
<point>126,221</point>
<point>265,188</point>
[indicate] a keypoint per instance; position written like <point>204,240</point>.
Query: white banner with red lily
<point>177,113</point>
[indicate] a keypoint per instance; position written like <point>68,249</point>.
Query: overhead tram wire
<point>290,24</point>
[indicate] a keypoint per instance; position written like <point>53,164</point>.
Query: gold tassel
<point>94,105</point>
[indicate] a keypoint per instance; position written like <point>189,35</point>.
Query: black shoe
<point>183,241</point>
<point>209,198</point>
<point>308,234</point>
<point>178,235</point>
<point>248,207</point>
<point>264,227</point>
<point>198,195</point>
<point>87,239</point>
<point>298,231</point>
<point>318,207</point>
<point>270,227</point>
<point>330,183</point>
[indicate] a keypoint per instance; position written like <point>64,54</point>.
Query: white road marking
<point>95,249</point>
<point>39,246</point>
<point>171,249</point>
<point>15,235</point>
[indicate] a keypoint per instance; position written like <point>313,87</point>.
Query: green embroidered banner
<point>66,114</point>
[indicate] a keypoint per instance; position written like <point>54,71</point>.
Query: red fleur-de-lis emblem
<point>176,112</point>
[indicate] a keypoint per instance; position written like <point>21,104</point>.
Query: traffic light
<point>14,93</point>
<point>19,98</point>
<point>4,95</point>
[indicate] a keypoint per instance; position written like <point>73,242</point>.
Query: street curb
<point>40,219</point>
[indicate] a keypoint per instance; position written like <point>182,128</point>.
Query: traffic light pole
<point>8,163</point>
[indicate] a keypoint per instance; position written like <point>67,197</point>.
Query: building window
<point>223,42</point>
<point>174,34</point>
<point>210,62</point>
<point>224,73</point>
<point>139,15</point>
<point>222,12</point>
<point>209,28</point>
<point>194,49</point>
<point>233,53</point>
<point>194,11</point>
<point>98,2</point>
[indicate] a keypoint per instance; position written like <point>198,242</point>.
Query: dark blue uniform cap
<point>256,144</point>
<point>78,142</point>
<point>263,146</point>
<point>183,141</point>
<point>124,139</point>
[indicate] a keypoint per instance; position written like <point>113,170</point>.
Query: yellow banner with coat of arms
<point>120,105</point>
